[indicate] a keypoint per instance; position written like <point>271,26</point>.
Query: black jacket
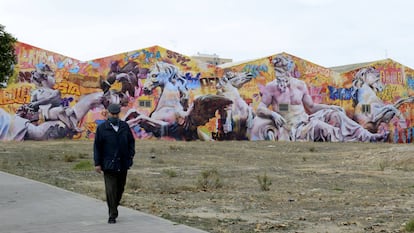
<point>114,151</point>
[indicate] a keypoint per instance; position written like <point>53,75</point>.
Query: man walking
<point>114,150</point>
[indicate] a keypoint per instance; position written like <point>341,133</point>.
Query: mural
<point>172,117</point>
<point>382,98</point>
<point>293,99</point>
<point>166,95</point>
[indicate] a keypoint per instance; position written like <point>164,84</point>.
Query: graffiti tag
<point>68,88</point>
<point>391,76</point>
<point>182,60</point>
<point>193,82</point>
<point>34,57</point>
<point>18,95</point>
<point>209,82</point>
<point>66,101</point>
<point>255,69</point>
<point>388,94</point>
<point>340,93</point>
<point>410,82</point>
<point>25,77</point>
<point>313,69</point>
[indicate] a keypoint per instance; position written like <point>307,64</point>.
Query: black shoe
<point>111,220</point>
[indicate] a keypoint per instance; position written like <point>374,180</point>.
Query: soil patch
<point>243,186</point>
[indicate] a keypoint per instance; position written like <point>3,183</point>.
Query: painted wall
<point>394,91</point>
<point>167,95</point>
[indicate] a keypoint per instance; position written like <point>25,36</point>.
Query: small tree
<point>7,56</point>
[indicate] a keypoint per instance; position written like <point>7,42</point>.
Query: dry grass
<point>315,187</point>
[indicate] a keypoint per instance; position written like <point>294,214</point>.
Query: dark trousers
<point>114,187</point>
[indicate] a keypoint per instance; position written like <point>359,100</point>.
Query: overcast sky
<point>326,32</point>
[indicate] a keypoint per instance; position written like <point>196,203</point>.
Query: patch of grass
<point>83,156</point>
<point>209,180</point>
<point>157,160</point>
<point>134,183</point>
<point>166,215</point>
<point>383,164</point>
<point>69,158</point>
<point>302,181</point>
<point>405,165</point>
<point>312,149</point>
<point>338,189</point>
<point>175,148</point>
<point>409,227</point>
<point>84,165</point>
<point>170,173</point>
<point>264,182</point>
<point>5,164</point>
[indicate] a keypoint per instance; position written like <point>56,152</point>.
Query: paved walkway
<point>30,206</point>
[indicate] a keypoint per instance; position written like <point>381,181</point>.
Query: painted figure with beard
<point>293,110</point>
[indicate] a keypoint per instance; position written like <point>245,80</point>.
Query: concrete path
<point>30,206</point>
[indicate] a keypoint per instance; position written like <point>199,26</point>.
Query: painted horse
<point>366,84</point>
<point>237,118</point>
<point>129,76</point>
<point>172,117</point>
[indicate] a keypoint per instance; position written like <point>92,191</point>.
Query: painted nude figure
<point>294,113</point>
<point>47,101</point>
<point>16,128</point>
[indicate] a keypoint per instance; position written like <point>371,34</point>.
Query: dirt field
<point>243,186</point>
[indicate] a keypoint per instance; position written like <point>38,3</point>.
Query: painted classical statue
<point>292,112</point>
<point>366,84</point>
<point>173,116</point>
<point>236,118</point>
<point>46,101</point>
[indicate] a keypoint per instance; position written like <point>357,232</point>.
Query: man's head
<point>283,65</point>
<point>284,68</point>
<point>114,110</point>
<point>43,77</point>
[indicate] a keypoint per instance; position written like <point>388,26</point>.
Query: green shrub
<point>409,227</point>
<point>84,165</point>
<point>170,172</point>
<point>209,179</point>
<point>175,148</point>
<point>383,164</point>
<point>69,158</point>
<point>264,182</point>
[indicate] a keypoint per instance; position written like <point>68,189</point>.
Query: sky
<point>326,32</point>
